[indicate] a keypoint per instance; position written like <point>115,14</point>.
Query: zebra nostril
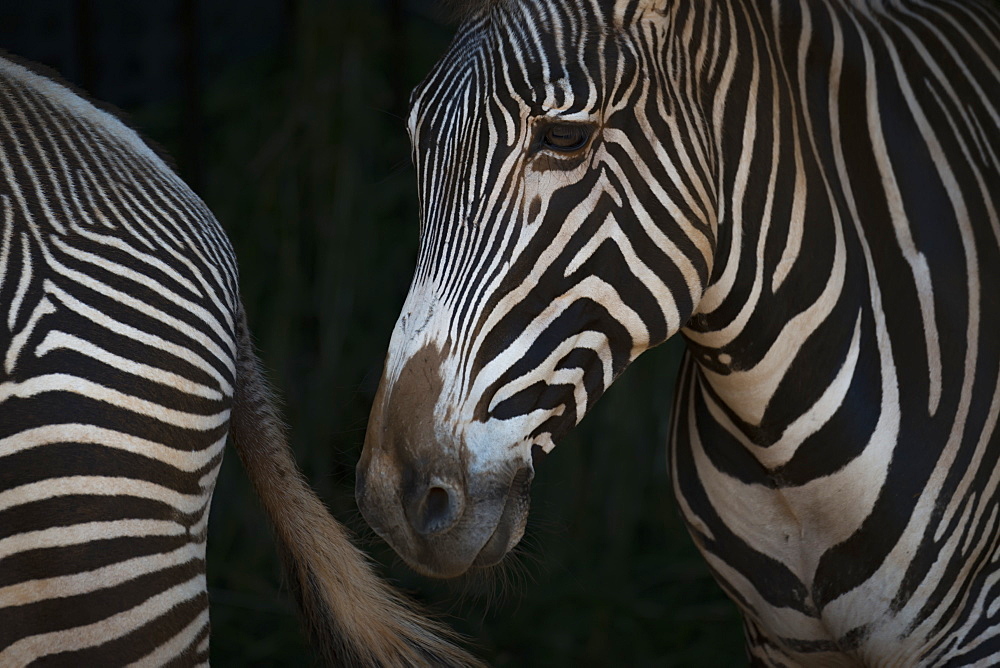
<point>439,511</point>
<point>436,504</point>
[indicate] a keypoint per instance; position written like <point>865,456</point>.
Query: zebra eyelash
<point>563,138</point>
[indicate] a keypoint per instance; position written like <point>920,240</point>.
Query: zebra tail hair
<point>354,617</point>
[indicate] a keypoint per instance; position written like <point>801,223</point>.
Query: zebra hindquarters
<point>107,466</point>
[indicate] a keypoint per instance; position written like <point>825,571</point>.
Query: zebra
<point>126,366</point>
<point>807,191</point>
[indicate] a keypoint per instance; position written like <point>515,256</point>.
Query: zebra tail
<point>354,617</point>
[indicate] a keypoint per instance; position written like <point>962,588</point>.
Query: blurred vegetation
<point>303,156</point>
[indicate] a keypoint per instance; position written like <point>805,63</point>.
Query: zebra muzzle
<point>442,527</point>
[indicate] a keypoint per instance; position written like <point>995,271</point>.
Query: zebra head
<point>564,231</point>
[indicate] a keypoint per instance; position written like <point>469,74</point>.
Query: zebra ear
<point>628,12</point>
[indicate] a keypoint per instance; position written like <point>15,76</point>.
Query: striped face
<point>558,242</point>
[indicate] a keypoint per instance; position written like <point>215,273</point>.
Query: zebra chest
<point>813,562</point>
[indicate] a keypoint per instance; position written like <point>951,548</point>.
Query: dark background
<point>286,116</point>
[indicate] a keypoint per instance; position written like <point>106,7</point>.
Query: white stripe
<point>22,284</point>
<point>61,382</point>
<point>85,533</point>
<point>106,577</point>
<point>182,460</point>
<point>52,488</point>
<point>8,234</point>
<point>43,308</point>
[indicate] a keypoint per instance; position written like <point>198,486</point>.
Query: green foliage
<point>307,166</point>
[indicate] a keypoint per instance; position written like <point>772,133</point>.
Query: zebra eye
<point>566,137</point>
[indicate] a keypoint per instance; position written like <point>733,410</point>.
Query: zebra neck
<point>786,325</point>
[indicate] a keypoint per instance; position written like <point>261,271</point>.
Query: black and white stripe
<point>808,192</point>
<point>119,294</point>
